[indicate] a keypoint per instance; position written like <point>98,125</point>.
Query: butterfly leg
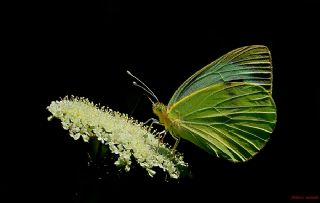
<point>150,119</point>
<point>164,132</point>
<point>161,136</point>
<point>175,144</point>
<point>153,121</point>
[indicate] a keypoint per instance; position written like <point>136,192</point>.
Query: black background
<point>83,48</point>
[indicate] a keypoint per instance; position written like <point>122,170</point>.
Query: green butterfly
<point>225,108</point>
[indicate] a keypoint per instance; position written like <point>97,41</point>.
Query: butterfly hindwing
<point>231,120</point>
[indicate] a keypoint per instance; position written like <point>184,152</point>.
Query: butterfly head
<point>160,110</point>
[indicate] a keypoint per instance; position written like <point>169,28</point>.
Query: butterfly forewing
<point>231,120</point>
<point>250,64</point>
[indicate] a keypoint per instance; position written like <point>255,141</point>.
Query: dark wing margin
<point>249,64</point>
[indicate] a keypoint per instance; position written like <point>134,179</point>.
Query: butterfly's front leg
<point>153,121</point>
<point>161,134</point>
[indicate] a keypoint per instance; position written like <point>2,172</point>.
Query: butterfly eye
<point>158,108</point>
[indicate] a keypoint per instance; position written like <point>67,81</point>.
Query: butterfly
<point>226,108</point>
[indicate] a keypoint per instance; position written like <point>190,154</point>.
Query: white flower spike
<point>125,136</point>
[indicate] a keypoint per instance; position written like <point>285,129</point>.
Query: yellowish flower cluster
<point>125,137</point>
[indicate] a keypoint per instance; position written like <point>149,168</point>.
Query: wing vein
<point>226,145</point>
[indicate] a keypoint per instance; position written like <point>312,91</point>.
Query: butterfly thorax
<point>160,110</point>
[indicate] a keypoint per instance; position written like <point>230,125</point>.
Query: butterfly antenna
<point>142,86</point>
<point>144,89</point>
